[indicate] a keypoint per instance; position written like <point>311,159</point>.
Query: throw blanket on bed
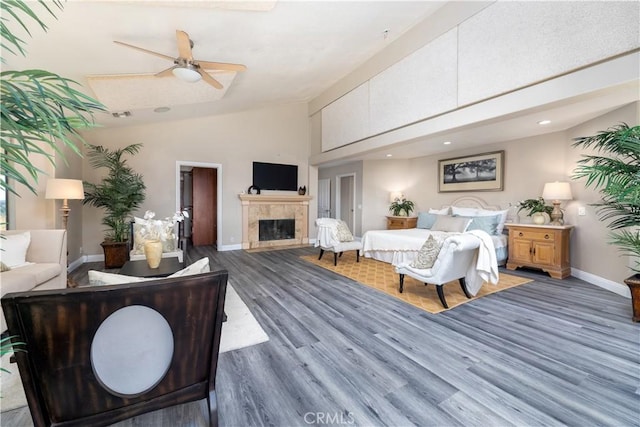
<point>410,239</point>
<point>485,269</point>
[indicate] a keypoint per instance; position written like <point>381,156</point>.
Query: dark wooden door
<point>205,199</point>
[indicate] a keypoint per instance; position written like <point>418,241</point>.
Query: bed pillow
<point>503,217</point>
<point>456,211</point>
<point>428,253</point>
<point>443,211</point>
<point>14,249</point>
<point>426,220</point>
<point>452,224</point>
<point>488,224</point>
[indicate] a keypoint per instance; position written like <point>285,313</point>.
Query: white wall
<point>278,134</point>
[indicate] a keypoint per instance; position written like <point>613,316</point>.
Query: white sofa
<point>47,268</point>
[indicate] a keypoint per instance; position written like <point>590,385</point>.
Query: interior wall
<point>332,174</point>
<point>278,134</point>
<point>381,177</point>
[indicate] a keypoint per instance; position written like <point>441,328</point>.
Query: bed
<point>401,246</point>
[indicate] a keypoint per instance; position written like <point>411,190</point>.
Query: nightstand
<point>540,246</point>
<point>400,222</point>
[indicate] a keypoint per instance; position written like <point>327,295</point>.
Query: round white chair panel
<point>132,350</point>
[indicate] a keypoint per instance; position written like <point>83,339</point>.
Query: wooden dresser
<point>540,246</point>
<point>400,222</point>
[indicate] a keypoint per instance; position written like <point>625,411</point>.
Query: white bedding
<point>401,246</point>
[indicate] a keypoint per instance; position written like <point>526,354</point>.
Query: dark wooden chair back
<point>58,327</point>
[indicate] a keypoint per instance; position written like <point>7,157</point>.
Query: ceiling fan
<point>187,68</point>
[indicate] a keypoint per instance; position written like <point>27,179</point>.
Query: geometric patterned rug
<point>382,276</point>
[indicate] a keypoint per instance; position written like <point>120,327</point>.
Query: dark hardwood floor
<point>550,352</point>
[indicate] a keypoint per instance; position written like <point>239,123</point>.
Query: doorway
<point>199,189</point>
<point>324,198</point>
<point>346,199</point>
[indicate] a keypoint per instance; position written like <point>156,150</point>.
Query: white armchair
<point>337,238</point>
<point>456,258</point>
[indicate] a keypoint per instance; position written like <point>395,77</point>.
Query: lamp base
<point>556,214</point>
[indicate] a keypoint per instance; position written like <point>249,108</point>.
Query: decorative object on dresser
<point>537,209</point>
<point>400,204</point>
<point>120,193</point>
<point>401,222</point>
<point>540,246</point>
<point>557,192</point>
<point>618,178</point>
<point>64,189</point>
<point>482,172</point>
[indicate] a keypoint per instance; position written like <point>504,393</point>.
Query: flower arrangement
<point>156,229</point>
<point>401,204</point>
<point>534,206</point>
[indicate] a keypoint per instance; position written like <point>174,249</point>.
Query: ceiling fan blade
<point>166,73</point>
<point>184,45</point>
<point>207,65</point>
<point>207,78</point>
<point>145,50</point>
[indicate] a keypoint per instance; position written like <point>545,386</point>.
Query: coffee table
<point>140,268</point>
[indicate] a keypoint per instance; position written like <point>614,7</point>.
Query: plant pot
<point>153,252</point>
<point>538,218</point>
<point>633,283</point>
<point>115,254</point>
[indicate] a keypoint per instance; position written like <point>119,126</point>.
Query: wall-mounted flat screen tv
<point>274,176</point>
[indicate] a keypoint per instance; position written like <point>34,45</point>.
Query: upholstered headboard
<point>472,202</point>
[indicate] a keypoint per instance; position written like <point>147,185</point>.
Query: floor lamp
<point>64,189</point>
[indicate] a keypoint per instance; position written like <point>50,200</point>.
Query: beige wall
<point>332,173</point>
<point>278,134</point>
<point>529,164</point>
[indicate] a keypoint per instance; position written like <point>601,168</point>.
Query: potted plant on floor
<point>615,171</point>
<point>120,193</point>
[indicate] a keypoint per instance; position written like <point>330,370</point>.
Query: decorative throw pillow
<point>428,253</point>
<point>4,267</point>
<point>343,232</point>
<point>13,248</point>
<point>458,211</point>
<point>453,224</point>
<point>426,220</point>
<point>100,278</point>
<point>488,224</point>
<point>200,266</point>
<point>503,217</point>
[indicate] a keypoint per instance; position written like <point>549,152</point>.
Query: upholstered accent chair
<point>452,261</point>
<point>334,236</point>
<point>97,355</point>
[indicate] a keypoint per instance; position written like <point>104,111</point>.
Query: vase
<point>538,218</point>
<point>153,252</point>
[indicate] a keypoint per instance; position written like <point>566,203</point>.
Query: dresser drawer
<point>547,236</point>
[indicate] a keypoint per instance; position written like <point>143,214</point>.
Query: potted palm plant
<point>615,171</point>
<point>399,205</point>
<point>120,193</point>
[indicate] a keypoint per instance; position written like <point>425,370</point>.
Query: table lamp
<point>64,189</point>
<point>556,192</point>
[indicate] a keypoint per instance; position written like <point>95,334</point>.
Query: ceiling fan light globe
<point>187,74</point>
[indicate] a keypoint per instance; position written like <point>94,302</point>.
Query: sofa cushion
<point>14,248</point>
<point>100,278</point>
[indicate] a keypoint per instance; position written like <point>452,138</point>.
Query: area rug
<point>240,330</point>
<point>382,276</point>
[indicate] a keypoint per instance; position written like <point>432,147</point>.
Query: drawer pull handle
<point>546,236</point>
<point>520,234</point>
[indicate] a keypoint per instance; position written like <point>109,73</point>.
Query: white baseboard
<point>94,258</point>
<point>75,264</point>
<point>235,247</point>
<point>601,282</point>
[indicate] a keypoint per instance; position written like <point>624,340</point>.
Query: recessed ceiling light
<point>544,122</point>
<point>447,143</point>
<point>162,109</point>
<point>389,155</point>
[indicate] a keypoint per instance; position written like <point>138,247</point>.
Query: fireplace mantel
<point>274,206</point>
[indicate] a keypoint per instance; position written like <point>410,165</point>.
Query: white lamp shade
<point>557,191</point>
<point>395,195</point>
<point>64,189</point>
<point>187,74</point>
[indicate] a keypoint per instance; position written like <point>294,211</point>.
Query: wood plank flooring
<point>550,352</point>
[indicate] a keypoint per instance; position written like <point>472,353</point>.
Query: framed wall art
<point>482,172</point>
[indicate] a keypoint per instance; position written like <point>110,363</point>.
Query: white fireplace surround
<point>273,206</point>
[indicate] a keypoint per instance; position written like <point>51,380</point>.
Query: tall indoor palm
<point>41,112</point>
<point>615,170</point>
